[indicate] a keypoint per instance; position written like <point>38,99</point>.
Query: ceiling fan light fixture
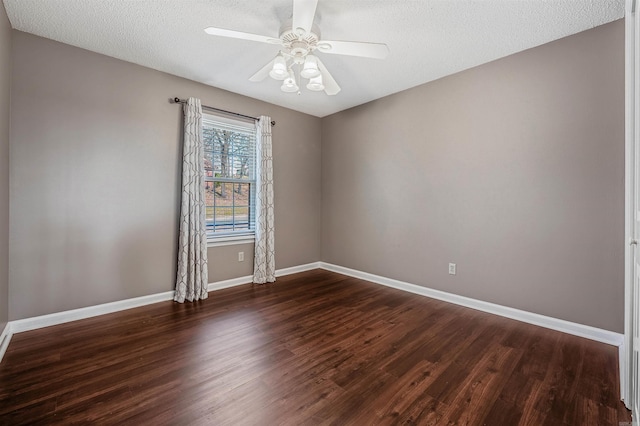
<point>310,67</point>
<point>298,39</point>
<point>279,70</point>
<point>289,85</point>
<point>315,84</point>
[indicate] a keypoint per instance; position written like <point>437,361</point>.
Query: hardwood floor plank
<point>560,384</point>
<point>423,411</point>
<point>396,399</point>
<point>315,348</point>
<point>540,346</point>
<point>503,413</point>
<point>473,401</point>
<point>595,384</point>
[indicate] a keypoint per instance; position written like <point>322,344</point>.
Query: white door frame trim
<point>630,183</point>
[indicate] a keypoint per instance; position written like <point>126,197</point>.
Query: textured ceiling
<point>428,39</point>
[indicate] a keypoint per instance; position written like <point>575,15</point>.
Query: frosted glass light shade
<point>279,70</point>
<point>310,67</point>
<point>315,84</point>
<point>289,85</point>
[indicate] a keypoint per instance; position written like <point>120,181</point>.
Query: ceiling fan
<point>299,39</point>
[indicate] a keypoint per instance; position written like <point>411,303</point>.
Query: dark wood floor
<point>313,348</point>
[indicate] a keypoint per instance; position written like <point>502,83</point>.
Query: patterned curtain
<point>192,277</point>
<point>264,263</point>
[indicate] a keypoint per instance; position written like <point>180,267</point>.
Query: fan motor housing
<point>299,45</point>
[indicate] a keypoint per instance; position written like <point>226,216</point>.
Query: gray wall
<point>5,86</point>
<point>514,170</point>
<point>95,175</point>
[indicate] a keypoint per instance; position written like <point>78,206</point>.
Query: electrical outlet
<point>240,256</point>
<point>452,269</point>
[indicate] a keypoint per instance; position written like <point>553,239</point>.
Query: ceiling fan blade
<point>263,73</point>
<point>330,85</point>
<point>239,34</point>
<point>303,13</point>
<point>354,48</point>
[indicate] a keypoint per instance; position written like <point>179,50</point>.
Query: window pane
<point>225,147</point>
<point>241,196</point>
<point>241,205</point>
<point>208,163</point>
<point>224,219</point>
<point>208,201</point>
<point>229,154</point>
<point>242,167</point>
<point>228,206</point>
<point>223,203</point>
<point>223,194</point>
<point>241,218</point>
<point>209,215</point>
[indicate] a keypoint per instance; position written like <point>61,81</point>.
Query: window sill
<point>230,240</point>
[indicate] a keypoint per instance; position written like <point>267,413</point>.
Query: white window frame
<point>216,239</point>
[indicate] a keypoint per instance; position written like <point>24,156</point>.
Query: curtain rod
<point>182,101</point>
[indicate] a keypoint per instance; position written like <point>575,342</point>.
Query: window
<point>230,182</point>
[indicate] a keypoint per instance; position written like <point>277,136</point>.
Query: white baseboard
<point>219,285</point>
<point>297,269</point>
<point>5,338</point>
<point>586,331</point>
<point>56,318</point>
<point>247,279</point>
<point>593,333</point>
<point>568,327</point>
<point>33,323</point>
